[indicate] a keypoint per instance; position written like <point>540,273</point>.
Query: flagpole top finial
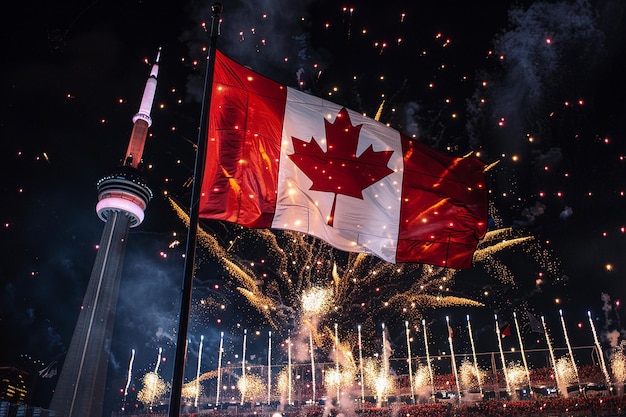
<point>217,8</point>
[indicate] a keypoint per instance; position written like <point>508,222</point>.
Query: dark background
<point>72,75</point>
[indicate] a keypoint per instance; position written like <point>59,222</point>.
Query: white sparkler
<point>198,371</point>
<point>478,375</point>
<point>521,346</point>
<point>130,374</point>
<point>409,358</point>
<point>430,366</point>
<point>243,365</point>
<point>219,369</point>
<point>600,353</point>
<point>269,368</point>
<point>499,336</point>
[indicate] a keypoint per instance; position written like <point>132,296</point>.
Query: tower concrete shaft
<point>122,198</point>
<point>81,386</point>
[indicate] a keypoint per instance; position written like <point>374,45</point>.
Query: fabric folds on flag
<point>280,158</point>
<point>535,324</point>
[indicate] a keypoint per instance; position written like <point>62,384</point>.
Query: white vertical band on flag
<point>367,225</point>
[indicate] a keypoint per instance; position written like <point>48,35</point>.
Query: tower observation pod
<point>125,190</point>
<point>123,197</point>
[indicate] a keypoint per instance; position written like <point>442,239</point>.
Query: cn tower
<point>122,198</point>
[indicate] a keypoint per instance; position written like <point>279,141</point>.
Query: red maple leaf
<point>339,170</point>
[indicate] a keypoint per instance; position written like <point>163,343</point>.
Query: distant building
<point>14,385</point>
<point>8,409</point>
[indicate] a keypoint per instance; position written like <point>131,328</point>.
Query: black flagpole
<point>192,233</point>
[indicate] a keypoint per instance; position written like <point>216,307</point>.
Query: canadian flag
<point>284,159</point>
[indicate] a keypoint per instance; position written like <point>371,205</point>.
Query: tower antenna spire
<point>142,120</point>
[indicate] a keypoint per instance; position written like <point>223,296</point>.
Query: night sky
<point>535,85</point>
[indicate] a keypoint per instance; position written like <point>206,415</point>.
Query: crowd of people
<point>599,406</point>
<point>577,406</point>
<point>603,406</point>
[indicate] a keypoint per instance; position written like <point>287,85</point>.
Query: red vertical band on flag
<point>245,130</point>
<point>444,207</point>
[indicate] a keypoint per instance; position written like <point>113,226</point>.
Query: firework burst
<point>252,386</point>
<point>470,380</point>
<point>377,379</point>
<point>565,369</point>
<point>618,365</point>
<point>153,388</point>
<point>284,275</point>
<point>516,373</point>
